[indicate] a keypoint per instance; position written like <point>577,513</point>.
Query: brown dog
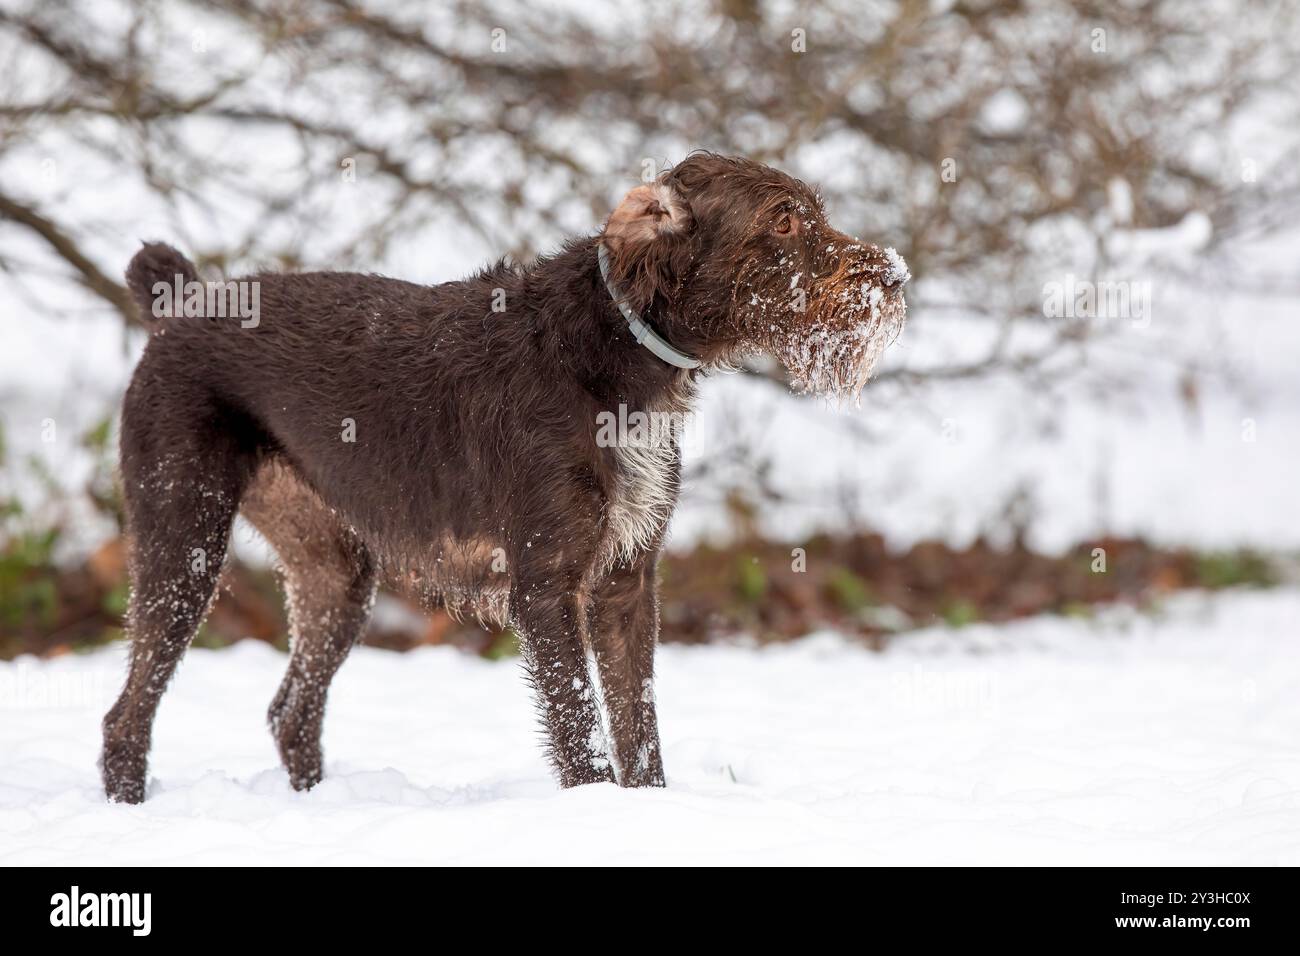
<point>449,439</point>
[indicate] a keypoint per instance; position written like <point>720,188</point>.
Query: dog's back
<point>396,403</point>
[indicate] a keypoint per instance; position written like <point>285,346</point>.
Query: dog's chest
<point>645,491</point>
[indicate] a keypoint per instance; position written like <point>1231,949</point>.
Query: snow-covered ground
<point>1125,740</point>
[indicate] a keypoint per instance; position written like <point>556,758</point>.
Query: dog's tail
<point>157,262</point>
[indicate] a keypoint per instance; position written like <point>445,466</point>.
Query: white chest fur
<point>645,494</point>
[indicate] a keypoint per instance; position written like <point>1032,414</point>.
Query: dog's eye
<point>787,225</point>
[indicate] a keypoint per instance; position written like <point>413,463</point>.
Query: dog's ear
<point>644,237</point>
<point>648,213</point>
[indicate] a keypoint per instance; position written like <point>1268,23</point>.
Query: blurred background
<point>1095,399</point>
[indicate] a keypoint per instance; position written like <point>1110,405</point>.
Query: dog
<point>444,439</point>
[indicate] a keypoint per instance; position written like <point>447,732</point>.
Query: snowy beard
<point>851,318</point>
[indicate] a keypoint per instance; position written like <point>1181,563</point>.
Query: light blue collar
<point>640,330</point>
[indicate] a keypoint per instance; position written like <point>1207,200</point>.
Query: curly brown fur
<point>474,475</point>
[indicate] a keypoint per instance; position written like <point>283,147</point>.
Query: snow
<point>1004,112</point>
<point>1128,739</point>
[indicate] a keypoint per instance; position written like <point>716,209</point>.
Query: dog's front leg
<point>549,620</point>
<point>624,630</point>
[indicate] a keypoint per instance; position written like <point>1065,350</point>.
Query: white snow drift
<point>1129,740</point>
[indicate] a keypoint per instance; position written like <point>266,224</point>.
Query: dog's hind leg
<point>329,580</point>
<point>184,468</point>
<point>624,630</point>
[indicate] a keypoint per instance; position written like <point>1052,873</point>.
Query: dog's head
<point>729,257</point>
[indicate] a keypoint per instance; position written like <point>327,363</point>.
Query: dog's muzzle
<point>852,320</point>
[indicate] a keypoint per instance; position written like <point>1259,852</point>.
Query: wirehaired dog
<point>445,439</point>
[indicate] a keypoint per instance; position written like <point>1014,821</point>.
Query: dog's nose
<point>891,267</point>
<point>886,266</point>
<point>866,259</point>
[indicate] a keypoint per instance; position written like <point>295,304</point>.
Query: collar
<point>641,330</point>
